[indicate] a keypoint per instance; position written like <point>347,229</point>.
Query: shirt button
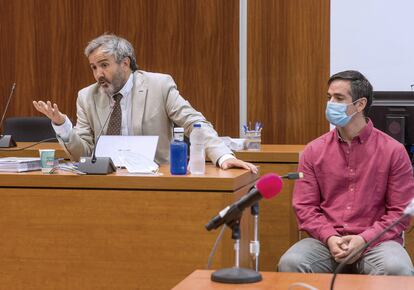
<point>352,189</point>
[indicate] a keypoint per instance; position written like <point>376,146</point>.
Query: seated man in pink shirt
<point>358,180</point>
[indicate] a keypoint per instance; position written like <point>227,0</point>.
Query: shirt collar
<point>126,89</point>
<point>363,136</point>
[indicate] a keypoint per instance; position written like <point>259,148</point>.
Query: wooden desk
<point>269,153</point>
<point>200,280</point>
<point>272,153</point>
<point>278,229</point>
<point>120,231</point>
<point>33,151</point>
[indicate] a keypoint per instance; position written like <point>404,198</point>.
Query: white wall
<point>375,37</point>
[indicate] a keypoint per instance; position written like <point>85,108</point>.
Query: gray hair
<point>114,45</point>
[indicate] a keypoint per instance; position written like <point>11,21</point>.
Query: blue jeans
<point>311,256</point>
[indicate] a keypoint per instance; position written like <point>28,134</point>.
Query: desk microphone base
<point>101,165</point>
<point>236,276</point>
<point>6,141</point>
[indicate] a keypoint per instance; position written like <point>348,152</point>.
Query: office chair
<point>29,129</point>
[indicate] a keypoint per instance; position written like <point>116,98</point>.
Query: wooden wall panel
<point>288,68</point>
<point>196,41</point>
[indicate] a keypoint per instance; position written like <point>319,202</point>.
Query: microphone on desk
<point>268,186</point>
<point>98,165</point>
<point>7,141</point>
<point>293,175</point>
<point>409,211</point>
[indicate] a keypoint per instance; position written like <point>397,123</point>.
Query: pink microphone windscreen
<point>269,185</point>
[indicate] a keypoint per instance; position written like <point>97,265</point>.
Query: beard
<point>110,88</point>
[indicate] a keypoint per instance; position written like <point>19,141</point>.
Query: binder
<point>19,164</point>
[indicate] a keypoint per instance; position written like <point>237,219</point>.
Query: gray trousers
<point>311,256</point>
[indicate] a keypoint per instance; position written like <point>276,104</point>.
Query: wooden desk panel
<point>68,235</point>
<point>200,280</point>
<point>273,153</point>
<point>214,179</point>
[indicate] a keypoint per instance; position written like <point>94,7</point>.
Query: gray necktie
<point>114,126</point>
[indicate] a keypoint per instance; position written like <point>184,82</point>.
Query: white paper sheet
<point>114,146</point>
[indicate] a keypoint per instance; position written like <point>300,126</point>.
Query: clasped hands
<point>342,247</point>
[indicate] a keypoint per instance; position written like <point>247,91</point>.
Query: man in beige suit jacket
<point>150,105</point>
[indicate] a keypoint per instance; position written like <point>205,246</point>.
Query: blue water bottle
<point>178,153</point>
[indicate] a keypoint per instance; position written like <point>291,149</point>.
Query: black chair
<point>29,129</point>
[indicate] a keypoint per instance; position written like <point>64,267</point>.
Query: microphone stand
<point>7,141</point>
<point>236,275</point>
<point>97,165</point>
<point>255,244</point>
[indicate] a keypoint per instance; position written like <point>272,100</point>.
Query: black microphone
<point>268,186</point>
<point>7,141</point>
<point>293,175</point>
<point>409,211</point>
<point>98,165</point>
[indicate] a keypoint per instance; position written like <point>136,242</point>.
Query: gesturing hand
<point>52,112</point>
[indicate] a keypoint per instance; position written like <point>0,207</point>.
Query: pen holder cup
<point>253,140</point>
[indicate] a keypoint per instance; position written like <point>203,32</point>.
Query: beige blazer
<point>156,105</point>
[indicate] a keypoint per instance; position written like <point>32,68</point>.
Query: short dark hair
<point>360,86</point>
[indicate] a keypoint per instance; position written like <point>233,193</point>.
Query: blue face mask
<point>336,113</point>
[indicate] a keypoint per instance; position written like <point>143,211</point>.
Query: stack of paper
<point>19,164</point>
<point>136,153</point>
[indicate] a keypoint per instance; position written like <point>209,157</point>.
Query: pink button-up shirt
<point>353,189</point>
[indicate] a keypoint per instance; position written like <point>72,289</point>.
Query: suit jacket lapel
<point>139,97</point>
<point>102,107</point>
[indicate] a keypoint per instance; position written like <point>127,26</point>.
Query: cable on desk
<point>29,146</point>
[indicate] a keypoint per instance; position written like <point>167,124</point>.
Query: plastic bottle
<point>197,153</point>
<point>178,153</point>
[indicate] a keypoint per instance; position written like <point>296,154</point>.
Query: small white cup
<point>47,160</point>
